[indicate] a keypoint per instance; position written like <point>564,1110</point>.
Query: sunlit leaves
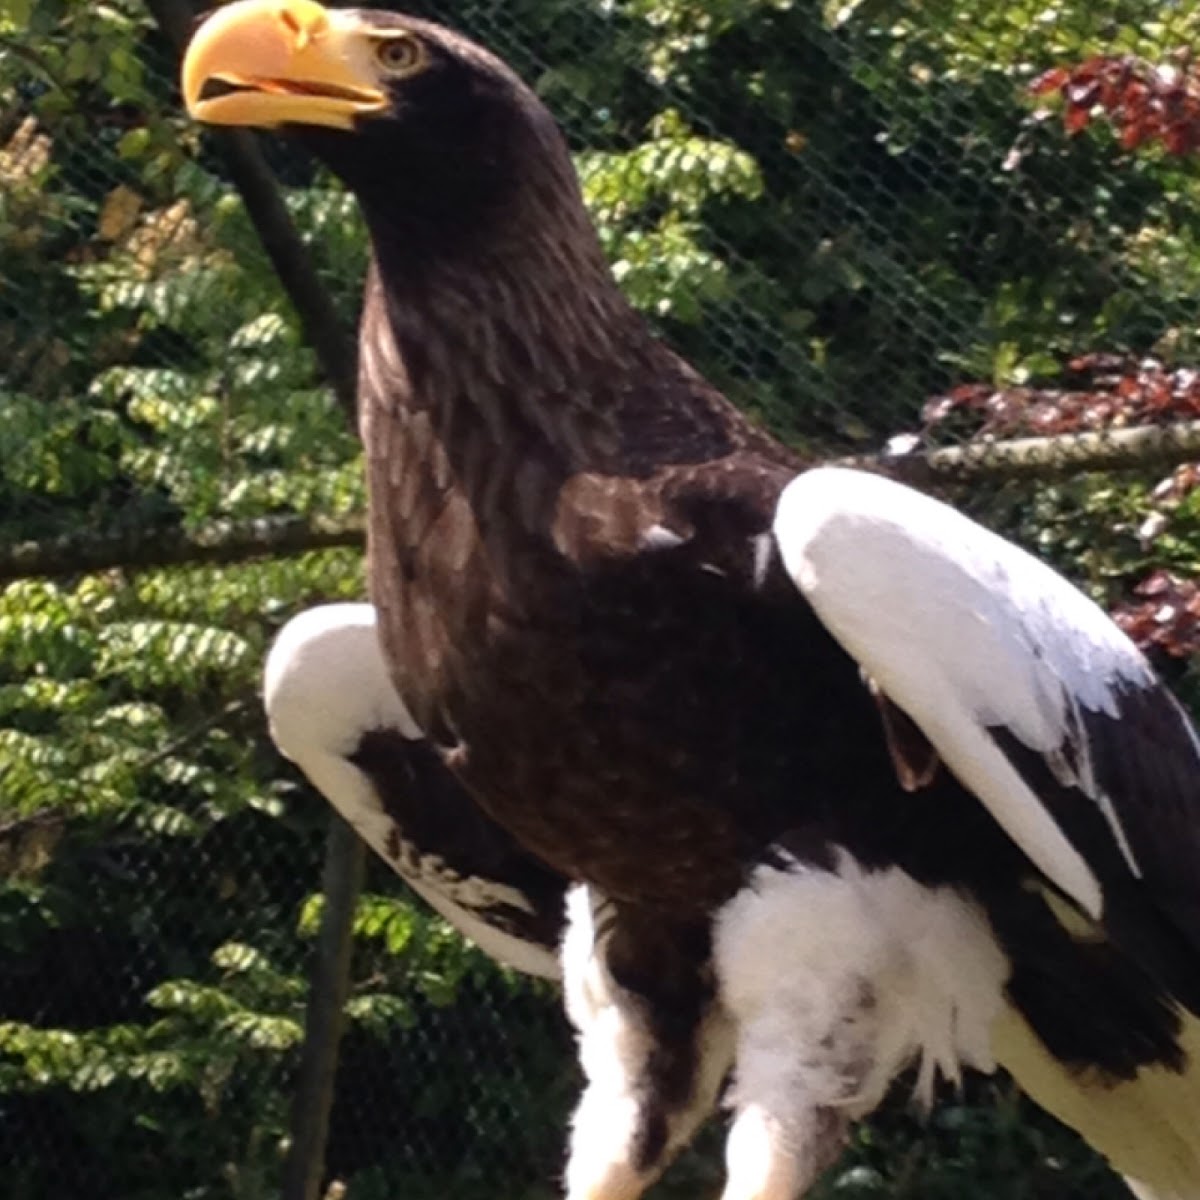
<point>649,203</point>
<point>680,29</point>
<point>41,631</point>
<point>256,1009</point>
<point>381,1013</point>
<point>169,652</point>
<point>417,951</point>
<point>62,451</point>
<point>14,13</point>
<point>32,1059</point>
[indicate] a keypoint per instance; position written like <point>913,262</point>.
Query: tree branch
<point>278,537</point>
<point>1046,457</point>
<point>195,732</point>
<point>341,883</point>
<point>221,543</point>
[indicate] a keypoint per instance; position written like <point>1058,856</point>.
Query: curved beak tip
<point>243,36</point>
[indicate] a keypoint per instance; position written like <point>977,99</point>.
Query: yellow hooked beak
<point>284,61</point>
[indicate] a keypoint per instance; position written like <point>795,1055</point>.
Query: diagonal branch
<point>255,183</point>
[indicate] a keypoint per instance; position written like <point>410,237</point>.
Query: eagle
<point>853,784</point>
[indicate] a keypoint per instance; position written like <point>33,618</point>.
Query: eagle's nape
<point>566,535</point>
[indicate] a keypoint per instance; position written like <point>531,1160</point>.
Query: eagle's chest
<point>616,673</point>
<point>607,728</point>
<point>654,707</point>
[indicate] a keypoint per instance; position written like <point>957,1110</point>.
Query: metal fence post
<point>255,183</point>
<point>341,881</point>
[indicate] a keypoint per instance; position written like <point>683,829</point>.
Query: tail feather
<point>1142,1192</point>
<point>1148,1127</point>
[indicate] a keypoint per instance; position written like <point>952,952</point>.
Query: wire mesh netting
<point>872,222</point>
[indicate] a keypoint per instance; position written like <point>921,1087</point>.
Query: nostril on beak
<point>303,21</point>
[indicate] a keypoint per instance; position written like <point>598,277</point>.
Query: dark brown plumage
<point>568,551</point>
<point>563,529</point>
<point>585,610</point>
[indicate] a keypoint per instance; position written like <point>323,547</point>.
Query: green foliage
<point>153,863</point>
<point>649,204</point>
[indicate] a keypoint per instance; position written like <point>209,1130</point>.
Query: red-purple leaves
<point>1144,102</point>
<point>1166,615</point>
<point>1112,393</point>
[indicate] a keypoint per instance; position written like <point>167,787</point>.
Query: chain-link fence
<point>965,227</point>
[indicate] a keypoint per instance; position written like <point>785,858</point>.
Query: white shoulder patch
<point>964,632</point>
<point>325,683</point>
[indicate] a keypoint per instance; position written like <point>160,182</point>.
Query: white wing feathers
<point>325,688</point>
<point>968,634</point>
<point>325,682</point>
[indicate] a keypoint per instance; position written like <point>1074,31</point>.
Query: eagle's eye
<point>400,55</point>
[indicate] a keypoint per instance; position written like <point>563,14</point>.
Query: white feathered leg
<point>802,1055</point>
<point>836,979</point>
<point>632,1120</point>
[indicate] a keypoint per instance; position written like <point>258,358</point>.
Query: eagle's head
<point>429,130</point>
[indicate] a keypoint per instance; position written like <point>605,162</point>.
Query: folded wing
<point>333,711</point>
<point>1027,692</point>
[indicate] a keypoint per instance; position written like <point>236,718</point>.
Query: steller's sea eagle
<point>853,783</point>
